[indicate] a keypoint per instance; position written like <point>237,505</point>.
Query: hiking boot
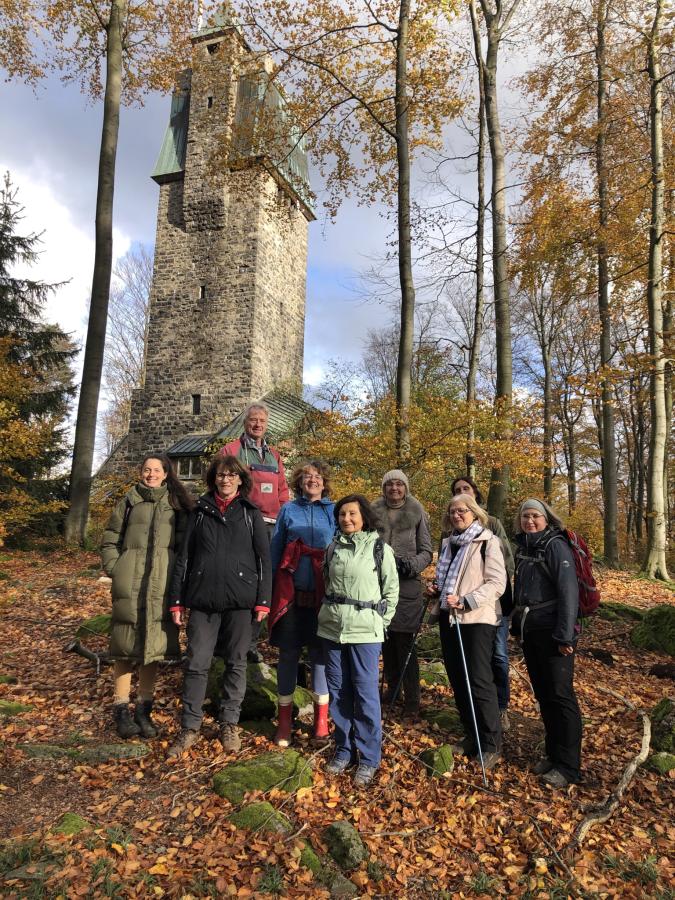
<point>185,740</point>
<point>364,775</point>
<point>143,720</point>
<point>320,730</point>
<point>544,765</point>
<point>504,718</point>
<point>337,765</point>
<point>555,778</point>
<point>466,748</point>
<point>124,724</point>
<point>491,759</point>
<point>229,737</point>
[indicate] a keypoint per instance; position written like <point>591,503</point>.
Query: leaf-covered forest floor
<point>159,830</point>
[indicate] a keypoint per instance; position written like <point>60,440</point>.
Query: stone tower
<point>227,304</point>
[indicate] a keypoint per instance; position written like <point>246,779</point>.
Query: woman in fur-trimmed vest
<point>404,525</point>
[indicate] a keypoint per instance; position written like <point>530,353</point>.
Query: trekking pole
<point>468,690</point>
<point>410,653</point>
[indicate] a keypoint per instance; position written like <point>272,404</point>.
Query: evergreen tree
<point>36,383</point>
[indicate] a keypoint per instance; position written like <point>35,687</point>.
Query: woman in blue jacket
<point>304,529</point>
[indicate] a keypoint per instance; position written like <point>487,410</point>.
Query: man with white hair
<point>270,491</point>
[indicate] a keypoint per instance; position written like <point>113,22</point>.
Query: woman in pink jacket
<point>470,578</point>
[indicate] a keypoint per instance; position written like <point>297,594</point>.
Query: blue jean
<point>352,672</point>
<point>500,663</point>
<point>287,670</point>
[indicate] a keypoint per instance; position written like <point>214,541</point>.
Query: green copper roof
<point>171,161</point>
<point>263,131</point>
<point>285,413</point>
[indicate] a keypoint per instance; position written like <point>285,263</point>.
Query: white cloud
<point>67,250</point>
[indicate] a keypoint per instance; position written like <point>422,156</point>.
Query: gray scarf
<point>448,569</point>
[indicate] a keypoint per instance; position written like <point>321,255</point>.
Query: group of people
<point>339,582</point>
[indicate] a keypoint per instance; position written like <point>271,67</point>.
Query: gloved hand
<point>404,567</point>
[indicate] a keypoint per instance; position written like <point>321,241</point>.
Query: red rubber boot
<point>282,738</point>
<point>321,718</point>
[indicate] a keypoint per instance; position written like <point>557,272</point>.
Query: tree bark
<point>655,561</point>
<point>476,338</point>
<point>496,22</point>
<point>609,465</point>
<point>85,429</point>
<point>405,348</point>
<point>548,427</point>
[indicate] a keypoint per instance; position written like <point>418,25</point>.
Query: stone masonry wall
<point>228,294</point>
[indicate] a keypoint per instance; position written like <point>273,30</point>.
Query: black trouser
<point>552,677</point>
<point>255,625</point>
<point>478,642</point>
<point>395,651</point>
<point>202,634</point>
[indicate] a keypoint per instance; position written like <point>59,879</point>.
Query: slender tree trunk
<point>496,22</point>
<point>476,338</point>
<point>640,467</point>
<point>609,465</point>
<point>669,340</point>
<point>85,429</point>
<point>405,347</point>
<point>548,427</point>
<point>655,560</point>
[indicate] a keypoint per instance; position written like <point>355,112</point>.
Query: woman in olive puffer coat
<point>143,536</point>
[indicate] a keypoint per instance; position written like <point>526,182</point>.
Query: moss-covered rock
<point>261,817</point>
<point>286,771</point>
<point>663,725</point>
<point>266,727</point>
<point>429,644</point>
<point>663,763</point>
<point>13,708</point>
<point>8,679</point>
<point>438,760</point>
<point>656,631</point>
<point>260,700</point>
<point>345,845</point>
<point>612,612</point>
<point>71,823</point>
<point>446,719</point>
<point>95,625</point>
<point>92,753</point>
<point>343,887</point>
<point>433,673</point>
<point>310,860</point>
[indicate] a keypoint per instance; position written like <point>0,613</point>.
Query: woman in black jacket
<point>223,576</point>
<point>547,605</point>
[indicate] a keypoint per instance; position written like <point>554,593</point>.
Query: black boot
<point>142,719</point>
<point>126,727</point>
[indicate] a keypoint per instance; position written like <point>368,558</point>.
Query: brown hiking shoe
<point>183,742</point>
<point>229,737</point>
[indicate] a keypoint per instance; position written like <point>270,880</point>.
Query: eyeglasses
<point>458,511</point>
<point>309,475</point>
<point>225,475</point>
<point>531,517</point>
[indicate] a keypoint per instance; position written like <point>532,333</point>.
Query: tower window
<point>202,292</point>
<point>212,48</point>
<point>209,102</point>
<point>196,404</point>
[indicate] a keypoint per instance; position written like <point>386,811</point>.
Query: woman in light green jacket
<point>360,602</point>
<point>144,534</point>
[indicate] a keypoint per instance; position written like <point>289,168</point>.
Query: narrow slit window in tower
<point>196,404</point>
<point>202,292</point>
<point>209,102</point>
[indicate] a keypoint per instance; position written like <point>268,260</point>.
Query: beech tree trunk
<point>655,560</point>
<point>496,22</point>
<point>85,428</point>
<point>609,463</point>
<point>548,426</point>
<point>405,347</point>
<point>476,338</point>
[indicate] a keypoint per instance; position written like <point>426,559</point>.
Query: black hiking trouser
<point>552,677</point>
<point>202,635</point>
<point>395,649</point>
<point>478,642</point>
